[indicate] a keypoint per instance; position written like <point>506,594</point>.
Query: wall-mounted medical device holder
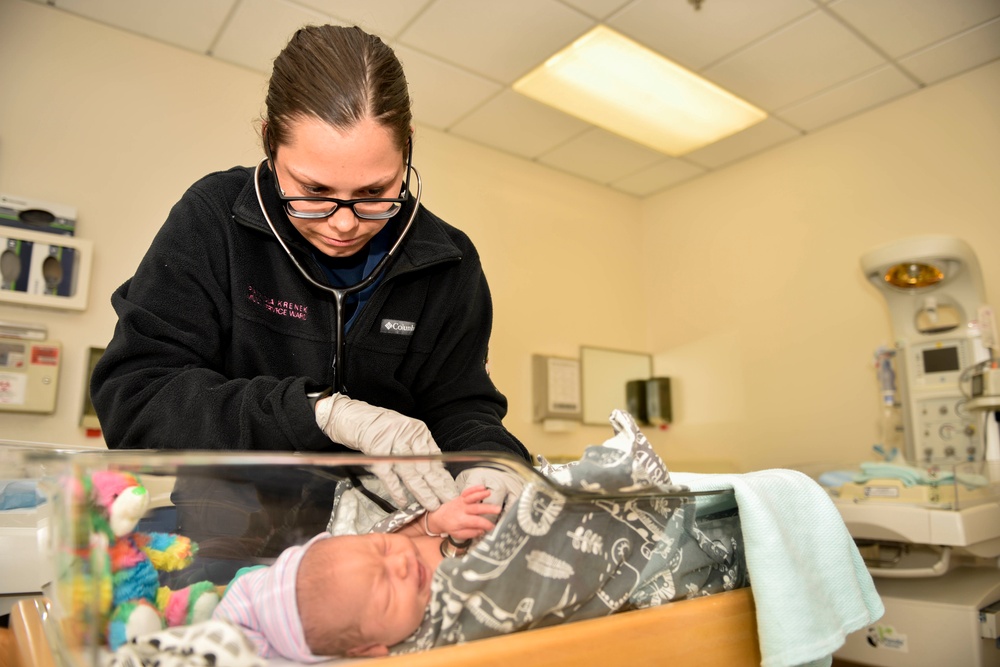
<point>659,406</point>
<point>88,414</point>
<point>43,269</point>
<point>29,369</point>
<point>36,215</point>
<point>635,400</point>
<point>648,401</point>
<point>556,389</point>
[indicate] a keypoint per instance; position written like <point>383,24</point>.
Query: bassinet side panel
<point>711,631</point>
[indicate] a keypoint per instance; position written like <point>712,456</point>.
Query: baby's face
<point>382,582</point>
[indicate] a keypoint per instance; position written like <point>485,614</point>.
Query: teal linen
<point>810,584</point>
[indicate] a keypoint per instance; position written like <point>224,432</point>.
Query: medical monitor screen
<point>941,360</point>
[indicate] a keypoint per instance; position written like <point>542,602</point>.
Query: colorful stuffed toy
<point>139,605</point>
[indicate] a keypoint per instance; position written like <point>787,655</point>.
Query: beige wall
<point>119,126</point>
<point>746,286</point>
<point>758,306</point>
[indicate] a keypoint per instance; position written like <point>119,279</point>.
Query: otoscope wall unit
<point>44,269</point>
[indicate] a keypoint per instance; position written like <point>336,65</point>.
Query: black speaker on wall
<point>658,406</point>
<point>635,400</point>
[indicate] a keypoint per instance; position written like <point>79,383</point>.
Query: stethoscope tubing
<point>340,294</point>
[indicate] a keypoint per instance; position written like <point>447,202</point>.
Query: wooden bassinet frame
<point>711,631</point>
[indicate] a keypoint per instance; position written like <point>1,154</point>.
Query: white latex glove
<point>504,486</point>
<point>380,432</point>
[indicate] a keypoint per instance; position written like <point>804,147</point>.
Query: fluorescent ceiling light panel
<point>615,83</point>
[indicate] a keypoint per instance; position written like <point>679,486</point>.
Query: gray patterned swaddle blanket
<point>551,559</point>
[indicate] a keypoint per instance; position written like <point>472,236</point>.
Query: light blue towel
<point>810,584</point>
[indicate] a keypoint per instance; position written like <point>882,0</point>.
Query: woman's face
<point>319,160</point>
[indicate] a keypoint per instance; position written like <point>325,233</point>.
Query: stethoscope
<point>340,294</point>
<point>449,547</point>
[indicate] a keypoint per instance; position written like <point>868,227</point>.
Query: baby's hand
<point>462,517</point>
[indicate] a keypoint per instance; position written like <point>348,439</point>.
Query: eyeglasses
<point>367,208</point>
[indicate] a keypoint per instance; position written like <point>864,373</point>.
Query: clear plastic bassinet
<point>240,508</point>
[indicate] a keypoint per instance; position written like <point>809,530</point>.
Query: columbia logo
<point>398,327</point>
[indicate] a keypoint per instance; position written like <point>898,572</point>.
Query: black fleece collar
<point>428,242</point>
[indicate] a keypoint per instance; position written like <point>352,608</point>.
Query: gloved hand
<point>381,432</point>
<point>504,486</point>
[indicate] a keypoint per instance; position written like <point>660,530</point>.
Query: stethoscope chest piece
<point>452,549</point>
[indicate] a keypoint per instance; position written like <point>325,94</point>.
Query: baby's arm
<point>461,518</point>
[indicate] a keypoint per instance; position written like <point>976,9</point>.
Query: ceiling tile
<point>599,9</point>
<point>795,62</point>
<point>500,40</point>
<point>867,91</point>
<point>761,136</point>
<point>809,63</point>
<point>696,38</point>
<point>519,125</point>
<point>439,92</point>
<point>899,27</point>
<point>260,29</point>
<point>960,53</point>
<point>657,177</point>
<point>169,22</point>
<point>600,156</point>
<point>385,18</point>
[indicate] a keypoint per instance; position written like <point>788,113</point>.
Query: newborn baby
<point>352,595</point>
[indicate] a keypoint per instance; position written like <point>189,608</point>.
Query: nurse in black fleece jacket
<point>222,344</point>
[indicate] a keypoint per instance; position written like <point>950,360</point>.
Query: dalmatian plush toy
<point>213,643</point>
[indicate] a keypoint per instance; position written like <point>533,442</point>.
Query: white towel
<point>810,584</point>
